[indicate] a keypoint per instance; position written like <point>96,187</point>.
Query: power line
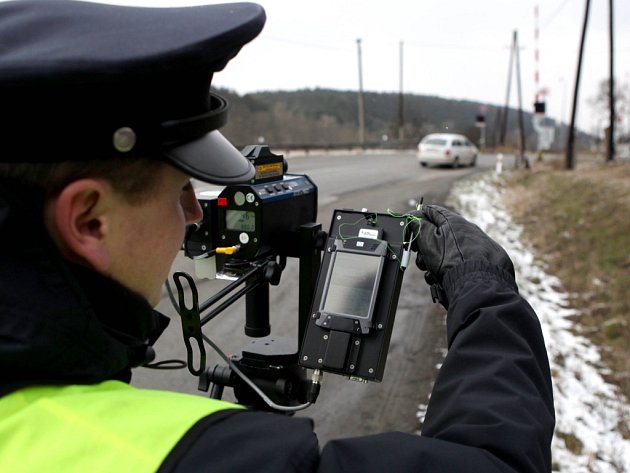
<point>554,14</point>
<point>305,43</point>
<point>330,47</point>
<point>452,47</point>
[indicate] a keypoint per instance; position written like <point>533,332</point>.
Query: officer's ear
<point>77,219</point>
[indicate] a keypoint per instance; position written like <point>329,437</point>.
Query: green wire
<point>355,223</point>
<point>409,218</point>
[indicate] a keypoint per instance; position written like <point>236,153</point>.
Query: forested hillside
<point>322,117</point>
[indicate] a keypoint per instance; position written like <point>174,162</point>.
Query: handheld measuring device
<point>356,295</point>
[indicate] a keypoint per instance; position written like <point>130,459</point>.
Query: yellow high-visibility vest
<point>107,427</point>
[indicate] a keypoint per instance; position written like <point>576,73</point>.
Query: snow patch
<point>589,411</point>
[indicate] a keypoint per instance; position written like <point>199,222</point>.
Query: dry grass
<point>579,223</point>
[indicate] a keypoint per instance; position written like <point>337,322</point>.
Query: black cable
<point>167,365</point>
<point>173,364</point>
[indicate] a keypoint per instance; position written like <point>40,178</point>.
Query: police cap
<point>81,81</point>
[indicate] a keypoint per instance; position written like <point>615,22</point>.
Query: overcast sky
<point>452,48</point>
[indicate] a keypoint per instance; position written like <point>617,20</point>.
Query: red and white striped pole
<point>539,92</point>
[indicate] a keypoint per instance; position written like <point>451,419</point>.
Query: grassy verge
<point>579,223</point>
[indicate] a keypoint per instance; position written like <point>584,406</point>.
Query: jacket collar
<point>59,322</point>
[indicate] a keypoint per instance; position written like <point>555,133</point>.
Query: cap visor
<point>211,158</point>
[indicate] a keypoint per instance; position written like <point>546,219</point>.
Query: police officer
<point>106,115</point>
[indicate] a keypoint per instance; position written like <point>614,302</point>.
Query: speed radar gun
<point>349,283</point>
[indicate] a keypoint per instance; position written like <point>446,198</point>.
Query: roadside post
<point>499,164</point>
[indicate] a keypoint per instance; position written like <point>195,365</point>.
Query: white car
<point>447,148</point>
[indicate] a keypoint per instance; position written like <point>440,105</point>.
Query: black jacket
<point>491,408</point>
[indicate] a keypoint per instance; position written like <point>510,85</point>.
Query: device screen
<point>240,220</point>
<point>352,284</point>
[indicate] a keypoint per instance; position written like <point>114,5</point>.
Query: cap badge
<point>124,139</point>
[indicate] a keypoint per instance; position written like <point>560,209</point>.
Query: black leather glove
<point>447,240</point>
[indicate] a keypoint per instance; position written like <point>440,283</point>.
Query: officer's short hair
<point>83,83</point>
<point>136,179</point>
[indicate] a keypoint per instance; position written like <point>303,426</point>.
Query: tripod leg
<point>216,391</point>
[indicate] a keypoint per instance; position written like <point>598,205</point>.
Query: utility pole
<point>504,115</point>
<point>611,87</point>
<point>496,128</point>
<point>401,106</point>
<point>521,125</point>
<point>514,59</point>
<point>570,158</point>
<point>361,101</point>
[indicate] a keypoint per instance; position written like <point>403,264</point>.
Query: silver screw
<point>338,217</point>
<point>351,367</point>
<point>380,326</point>
<point>357,343</point>
<point>401,224</point>
<point>371,370</point>
<point>305,358</point>
<point>325,337</point>
<point>320,361</point>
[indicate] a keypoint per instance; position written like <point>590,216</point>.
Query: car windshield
<point>435,141</point>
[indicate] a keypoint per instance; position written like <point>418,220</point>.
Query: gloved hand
<point>447,240</point>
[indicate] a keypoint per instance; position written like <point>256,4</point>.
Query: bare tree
<point>600,103</point>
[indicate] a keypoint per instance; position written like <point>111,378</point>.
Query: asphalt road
<point>376,181</point>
